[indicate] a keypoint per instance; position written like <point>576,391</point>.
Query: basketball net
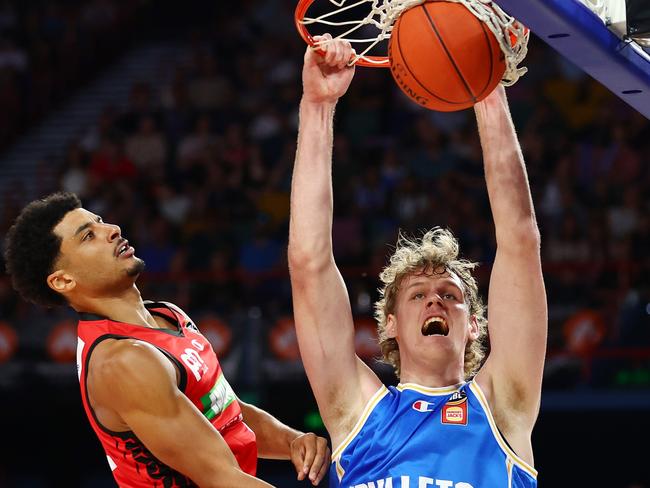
<point>511,35</point>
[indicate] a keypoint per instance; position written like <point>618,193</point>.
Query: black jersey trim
<point>151,306</point>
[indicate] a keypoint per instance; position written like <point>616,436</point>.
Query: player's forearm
<point>273,437</point>
<point>505,173</point>
<point>310,227</point>
<point>234,477</point>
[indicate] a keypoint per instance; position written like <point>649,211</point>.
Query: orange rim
<point>301,10</point>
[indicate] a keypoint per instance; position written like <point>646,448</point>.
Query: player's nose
<point>435,300</point>
<point>114,232</point>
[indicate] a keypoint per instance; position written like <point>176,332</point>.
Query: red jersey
<point>201,380</point>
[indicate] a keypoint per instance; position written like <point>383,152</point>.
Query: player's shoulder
<point>128,373</point>
<point>115,360</point>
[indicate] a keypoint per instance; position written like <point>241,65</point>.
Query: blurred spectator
<point>48,49</point>
<point>197,144</point>
<point>209,89</point>
<point>263,252</point>
<point>141,105</point>
<point>624,217</point>
<point>8,17</point>
<point>11,56</point>
<point>109,164</point>
<point>155,245</point>
<point>99,15</point>
<point>147,149</point>
<point>75,176</point>
<point>569,245</point>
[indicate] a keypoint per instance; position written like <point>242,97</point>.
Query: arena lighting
<point>638,21</point>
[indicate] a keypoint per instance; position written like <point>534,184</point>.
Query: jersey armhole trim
<point>509,466</point>
<point>510,454</point>
<point>340,472</point>
<point>367,410</point>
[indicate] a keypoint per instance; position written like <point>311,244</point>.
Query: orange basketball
<point>443,57</point>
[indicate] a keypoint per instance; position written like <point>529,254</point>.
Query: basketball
<point>443,57</point>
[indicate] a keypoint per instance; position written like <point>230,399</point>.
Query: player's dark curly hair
<point>31,247</point>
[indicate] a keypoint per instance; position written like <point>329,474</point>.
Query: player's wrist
<point>317,111</point>
<point>316,102</point>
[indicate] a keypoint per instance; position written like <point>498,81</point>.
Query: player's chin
<point>136,268</point>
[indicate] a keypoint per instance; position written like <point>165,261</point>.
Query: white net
<point>511,35</point>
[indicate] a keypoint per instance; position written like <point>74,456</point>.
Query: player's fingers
<point>332,53</point>
<point>310,451</point>
<point>323,45</point>
<point>320,460</point>
<point>323,469</point>
<point>345,54</point>
<point>297,458</point>
<point>316,52</point>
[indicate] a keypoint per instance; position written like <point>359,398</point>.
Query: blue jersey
<point>411,436</point>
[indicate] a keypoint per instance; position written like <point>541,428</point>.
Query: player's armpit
<point>341,382</point>
<point>139,383</point>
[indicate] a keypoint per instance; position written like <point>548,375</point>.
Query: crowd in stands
<point>196,170</point>
<point>50,48</point>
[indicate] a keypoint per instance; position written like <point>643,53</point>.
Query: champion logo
<point>422,406</point>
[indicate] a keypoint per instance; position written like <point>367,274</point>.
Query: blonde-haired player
<point>444,425</point>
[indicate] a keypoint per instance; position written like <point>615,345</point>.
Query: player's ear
<point>391,326</point>
<point>61,282</point>
<point>473,328</point>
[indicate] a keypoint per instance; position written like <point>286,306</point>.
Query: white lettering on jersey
<point>405,482</point>
<point>80,347</point>
<point>193,361</point>
<point>385,483</point>
<point>198,345</point>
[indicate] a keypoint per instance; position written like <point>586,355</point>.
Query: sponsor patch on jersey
<point>454,412</point>
<point>422,406</point>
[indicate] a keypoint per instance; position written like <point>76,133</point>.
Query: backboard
<point>592,34</point>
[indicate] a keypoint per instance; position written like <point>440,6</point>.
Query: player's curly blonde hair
<point>436,250</point>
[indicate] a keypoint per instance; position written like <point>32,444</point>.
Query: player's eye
<point>89,235</point>
<point>418,296</point>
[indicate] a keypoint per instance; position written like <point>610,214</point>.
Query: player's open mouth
<point>435,326</point>
<point>122,248</point>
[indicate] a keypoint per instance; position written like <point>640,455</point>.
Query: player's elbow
<point>527,234</point>
<point>307,260</point>
<point>522,237</point>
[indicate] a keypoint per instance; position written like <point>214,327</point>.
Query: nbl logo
<point>454,412</point>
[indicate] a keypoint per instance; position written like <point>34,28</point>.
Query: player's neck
<point>126,306</point>
<point>440,377</point>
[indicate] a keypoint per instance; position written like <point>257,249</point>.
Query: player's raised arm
<point>323,317</point>
<point>517,312</point>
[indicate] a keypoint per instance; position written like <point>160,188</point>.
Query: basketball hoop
<point>382,14</point>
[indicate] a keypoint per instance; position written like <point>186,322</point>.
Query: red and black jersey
<point>201,380</point>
